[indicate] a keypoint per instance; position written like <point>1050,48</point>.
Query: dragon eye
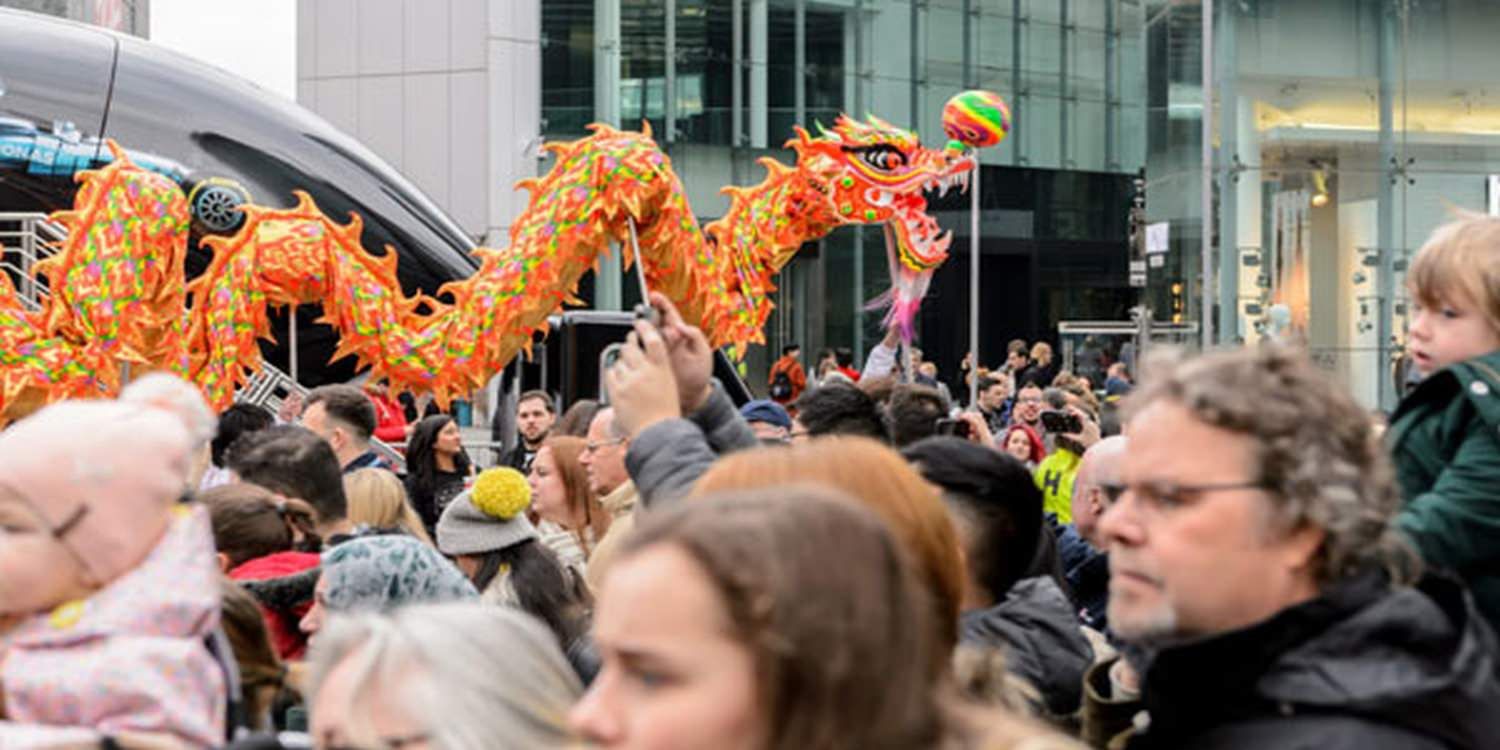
<point>884,158</point>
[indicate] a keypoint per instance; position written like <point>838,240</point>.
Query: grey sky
<point>255,39</point>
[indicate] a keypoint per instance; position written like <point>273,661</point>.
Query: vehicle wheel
<point>216,205</point>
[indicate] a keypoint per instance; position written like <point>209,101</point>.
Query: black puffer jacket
<point>1364,667</point>
<point>1038,631</point>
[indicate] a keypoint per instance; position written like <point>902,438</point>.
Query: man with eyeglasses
<point>603,459</point>
<point>1256,579</point>
<point>1027,409</point>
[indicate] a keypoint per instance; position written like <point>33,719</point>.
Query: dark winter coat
<point>1445,439</point>
<point>1041,638</point>
<point>1087,572</point>
<point>1364,667</point>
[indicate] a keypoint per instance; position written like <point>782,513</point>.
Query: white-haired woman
<point>441,676</point>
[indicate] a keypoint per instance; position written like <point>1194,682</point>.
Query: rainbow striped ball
<point>976,118</point>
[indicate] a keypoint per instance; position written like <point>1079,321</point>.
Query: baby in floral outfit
<point>108,586</point>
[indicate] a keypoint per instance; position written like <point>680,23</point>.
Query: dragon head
<point>875,173</point>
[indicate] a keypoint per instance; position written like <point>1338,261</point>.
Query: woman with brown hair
<point>250,522</point>
<point>575,421</point>
<point>263,536</point>
<point>881,480</point>
<point>571,520</point>
<point>773,620</point>
<point>377,499</point>
<point>263,675</point>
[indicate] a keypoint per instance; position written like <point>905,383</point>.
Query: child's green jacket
<point>1445,439</point>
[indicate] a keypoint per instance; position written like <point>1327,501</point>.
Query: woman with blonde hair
<point>378,499</point>
<point>1042,368</point>
<point>571,520</point>
<point>881,480</point>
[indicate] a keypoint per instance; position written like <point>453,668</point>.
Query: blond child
<point>108,586</point>
<point>1445,435</point>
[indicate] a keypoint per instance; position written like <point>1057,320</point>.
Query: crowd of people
<point>1226,554</point>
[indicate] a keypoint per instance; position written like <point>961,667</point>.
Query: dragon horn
<point>773,167</point>
<point>801,139</point>
<point>646,128</point>
<point>116,151</point>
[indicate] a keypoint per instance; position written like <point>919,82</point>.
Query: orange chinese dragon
<point>118,293</point>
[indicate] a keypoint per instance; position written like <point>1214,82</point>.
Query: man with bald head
<point>603,459</point>
<point>1091,497</point>
<point>1084,563</point>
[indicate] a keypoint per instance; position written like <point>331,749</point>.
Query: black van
<point>65,87</point>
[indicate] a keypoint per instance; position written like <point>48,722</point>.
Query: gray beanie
<point>464,529</point>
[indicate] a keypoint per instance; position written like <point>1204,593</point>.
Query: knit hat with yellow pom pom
<point>489,516</point>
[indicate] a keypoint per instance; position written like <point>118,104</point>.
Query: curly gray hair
<point>1317,449</point>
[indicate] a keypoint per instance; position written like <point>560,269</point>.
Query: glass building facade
<point>722,82</point>
<point>1340,134</point>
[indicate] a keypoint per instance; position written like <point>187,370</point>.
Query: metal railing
<point>28,238</point>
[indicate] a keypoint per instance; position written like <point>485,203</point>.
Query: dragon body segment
<point>118,291</point>
<point>117,280</point>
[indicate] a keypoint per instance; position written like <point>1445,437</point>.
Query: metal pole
<point>974,283</point>
<point>1228,180</point>
<point>1062,85</point>
<point>670,95</point>
<point>859,58</point>
<point>1111,160</point>
<point>1015,80</point>
<point>291,323</point>
<point>1206,260</point>
<point>968,32</point>
<point>759,78</point>
<point>859,229</point>
<point>28,260</point>
<point>799,61</point>
<point>915,120</point>
<point>1385,202</point>
<point>607,62</point>
<point>737,82</point>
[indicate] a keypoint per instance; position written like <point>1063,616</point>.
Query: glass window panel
<point>945,51</point>
<point>1086,140</point>
<point>703,70</point>
<point>825,63</point>
<point>1043,147</point>
<point>1131,148</point>
<point>1041,58</point>
<point>1086,65</point>
<point>781,74</point>
<point>567,67</point>
<point>996,42</point>
<point>642,62</point>
<point>1043,11</point>
<point>1088,14</point>
<point>992,9</point>
<point>838,310</point>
